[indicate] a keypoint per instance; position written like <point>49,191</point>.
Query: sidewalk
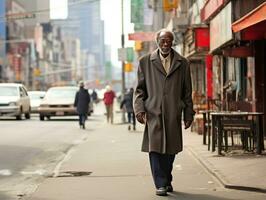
<point>235,171</point>
<point>109,165</point>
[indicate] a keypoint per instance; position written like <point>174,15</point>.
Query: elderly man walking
<point>162,93</point>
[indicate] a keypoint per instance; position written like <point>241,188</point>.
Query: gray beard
<point>164,53</point>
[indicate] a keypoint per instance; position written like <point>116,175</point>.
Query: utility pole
<point>123,62</point>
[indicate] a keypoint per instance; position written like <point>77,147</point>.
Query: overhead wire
<point>44,11</point>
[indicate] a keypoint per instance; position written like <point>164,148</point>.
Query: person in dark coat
<point>128,103</point>
<point>82,100</point>
<point>162,94</point>
<point>94,96</point>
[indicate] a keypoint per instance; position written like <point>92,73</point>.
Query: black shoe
<point>129,128</point>
<point>162,191</point>
<point>83,126</point>
<point>169,188</point>
<point>134,128</point>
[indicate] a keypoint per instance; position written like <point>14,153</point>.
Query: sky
<point>55,5</point>
<point>111,14</point>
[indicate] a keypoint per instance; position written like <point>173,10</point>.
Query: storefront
<point>224,67</point>
<point>251,28</point>
<point>196,48</point>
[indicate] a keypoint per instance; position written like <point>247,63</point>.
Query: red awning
<point>254,17</point>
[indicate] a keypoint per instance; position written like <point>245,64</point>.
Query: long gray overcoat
<point>163,97</point>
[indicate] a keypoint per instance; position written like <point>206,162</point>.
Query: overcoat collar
<point>175,61</point>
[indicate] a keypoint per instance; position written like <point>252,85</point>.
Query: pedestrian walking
<point>108,100</point>
<point>94,96</point>
<point>82,100</point>
<point>162,93</point>
<point>128,103</point>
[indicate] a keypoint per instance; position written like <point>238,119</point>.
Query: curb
<point>220,177</point>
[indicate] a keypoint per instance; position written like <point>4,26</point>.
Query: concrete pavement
<point>236,170</point>
<point>114,169</point>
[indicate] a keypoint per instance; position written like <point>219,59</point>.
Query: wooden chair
<point>244,127</point>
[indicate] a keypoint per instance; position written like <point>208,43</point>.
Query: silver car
<point>14,100</point>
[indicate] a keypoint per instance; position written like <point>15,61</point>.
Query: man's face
<point>165,41</point>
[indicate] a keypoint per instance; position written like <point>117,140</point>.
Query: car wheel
<point>41,117</point>
<point>27,115</point>
<point>19,116</point>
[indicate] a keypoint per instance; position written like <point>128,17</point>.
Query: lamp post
<point>123,62</point>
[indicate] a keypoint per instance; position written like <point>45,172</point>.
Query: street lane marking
<point>5,172</point>
<point>36,172</point>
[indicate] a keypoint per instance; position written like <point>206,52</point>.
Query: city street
<point>31,149</point>
<point>55,160</point>
<point>161,61</point>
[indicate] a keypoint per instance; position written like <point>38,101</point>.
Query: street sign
<point>122,54</point>
<point>142,36</point>
<point>126,54</point>
<point>130,54</point>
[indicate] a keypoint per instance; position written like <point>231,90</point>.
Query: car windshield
<point>8,91</point>
<point>61,93</point>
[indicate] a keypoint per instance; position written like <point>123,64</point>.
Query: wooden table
<point>217,133</point>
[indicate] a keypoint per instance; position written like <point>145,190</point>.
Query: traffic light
<point>169,5</point>
<point>138,46</point>
<point>36,72</point>
<point>128,67</point>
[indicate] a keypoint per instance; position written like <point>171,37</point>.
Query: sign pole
<point>123,62</point>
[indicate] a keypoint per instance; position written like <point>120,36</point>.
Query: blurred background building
<point>224,40</point>
<point>40,51</point>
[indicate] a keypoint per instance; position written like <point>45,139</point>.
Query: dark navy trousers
<point>161,168</point>
<point>82,119</point>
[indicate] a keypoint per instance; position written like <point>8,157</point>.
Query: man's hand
<point>188,124</point>
<point>141,117</point>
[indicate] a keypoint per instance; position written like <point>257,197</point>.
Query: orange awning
<point>254,17</point>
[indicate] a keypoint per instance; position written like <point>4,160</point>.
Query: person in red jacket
<point>108,99</point>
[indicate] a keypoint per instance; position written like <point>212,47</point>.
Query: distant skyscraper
<point>84,22</point>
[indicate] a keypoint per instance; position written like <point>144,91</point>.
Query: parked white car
<point>59,101</point>
<point>36,98</point>
<point>14,100</point>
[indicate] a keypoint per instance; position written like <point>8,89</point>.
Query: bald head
<point>163,31</point>
<point>164,40</point>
